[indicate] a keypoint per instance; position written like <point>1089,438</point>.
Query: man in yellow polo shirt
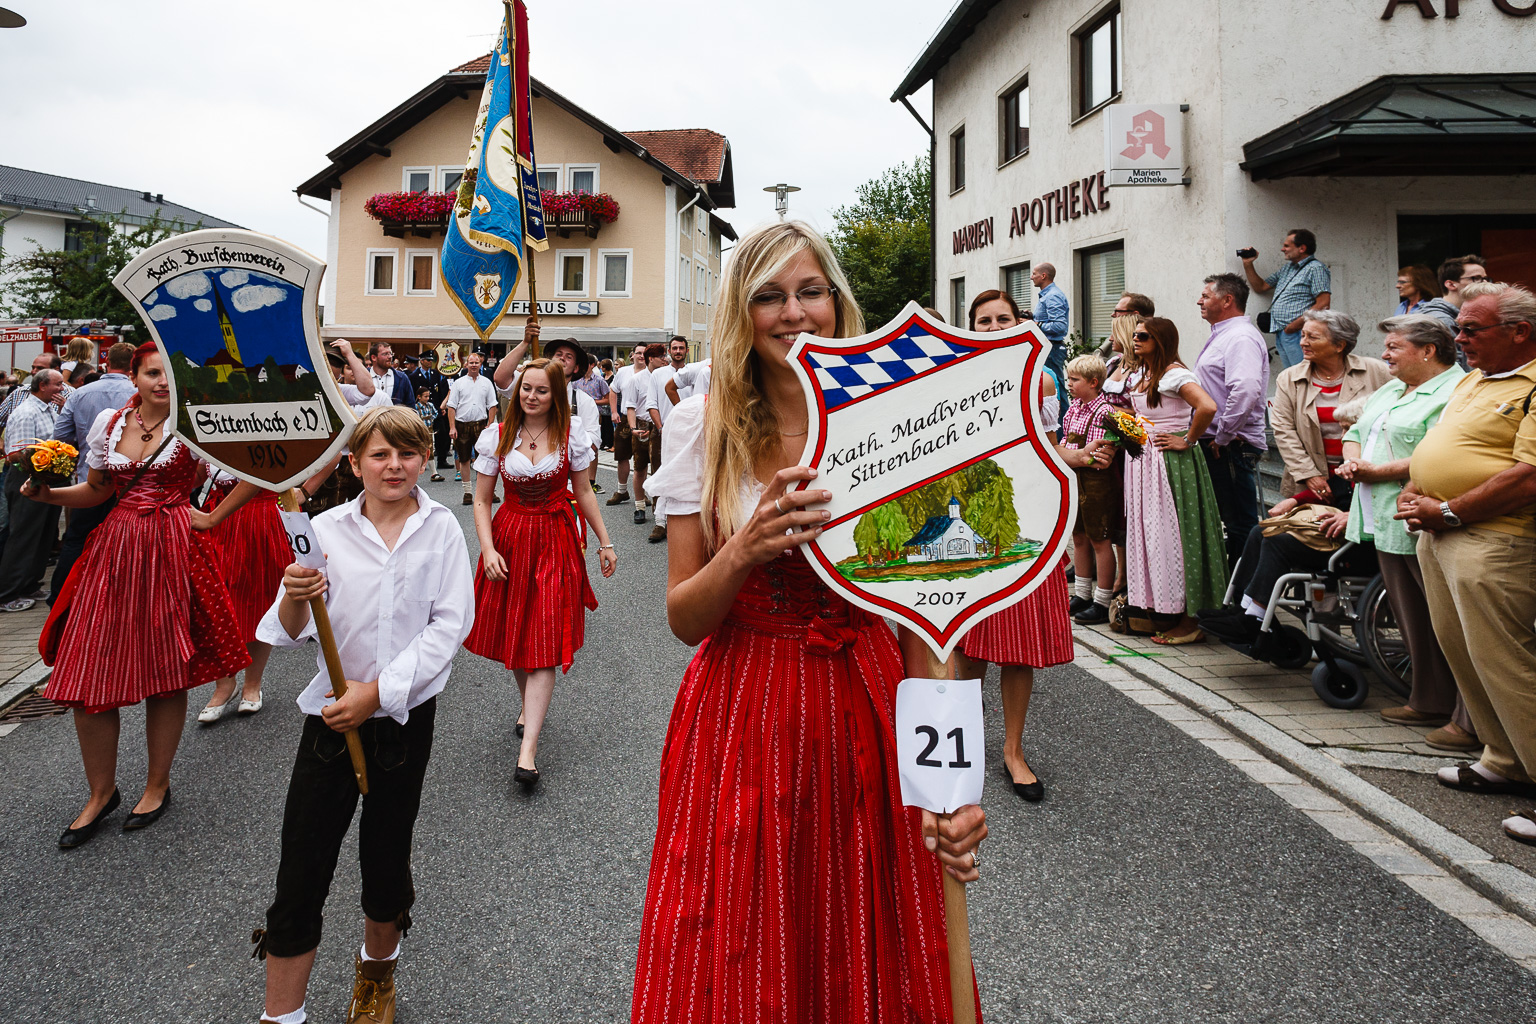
<point>1473,496</point>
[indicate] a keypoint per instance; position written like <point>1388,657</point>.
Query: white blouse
<point>101,445</point>
<point>517,464</point>
<point>680,480</point>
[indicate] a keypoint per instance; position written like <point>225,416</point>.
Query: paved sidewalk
<point>18,640</point>
<point>1284,699</point>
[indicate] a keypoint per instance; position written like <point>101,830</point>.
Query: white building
<point>1398,132</point>
<point>944,538</point>
<point>51,212</point>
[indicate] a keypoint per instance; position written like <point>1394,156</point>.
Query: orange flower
<point>41,459</point>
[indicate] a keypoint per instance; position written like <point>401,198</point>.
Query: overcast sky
<point>226,107</point>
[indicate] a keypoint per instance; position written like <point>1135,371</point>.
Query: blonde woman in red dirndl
<point>788,882</point>
<point>254,551</point>
<point>1036,632</point>
<point>148,614</point>
<point>531,588</point>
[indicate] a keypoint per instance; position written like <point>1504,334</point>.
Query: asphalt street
<point>1155,883</point>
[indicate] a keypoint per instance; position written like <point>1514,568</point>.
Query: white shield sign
<point>234,314</point>
<point>949,503</point>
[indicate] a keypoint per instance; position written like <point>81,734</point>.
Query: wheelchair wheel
<point>1340,685</point>
<point>1288,648</point>
<point>1381,639</point>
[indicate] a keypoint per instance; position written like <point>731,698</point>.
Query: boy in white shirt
<point>397,544</point>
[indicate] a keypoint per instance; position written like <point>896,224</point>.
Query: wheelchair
<point>1346,623</point>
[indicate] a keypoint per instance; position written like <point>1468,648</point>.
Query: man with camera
<point>1302,284</point>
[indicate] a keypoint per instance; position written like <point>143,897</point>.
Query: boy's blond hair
<point>401,428</point>
<point>1088,367</point>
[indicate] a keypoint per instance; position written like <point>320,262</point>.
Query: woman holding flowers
<point>148,616</point>
<point>1174,545</point>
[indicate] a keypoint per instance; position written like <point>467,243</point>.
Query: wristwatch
<point>1451,519</point>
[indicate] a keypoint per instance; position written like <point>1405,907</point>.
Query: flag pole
<point>921,663</point>
<point>533,280</point>
<point>333,667</point>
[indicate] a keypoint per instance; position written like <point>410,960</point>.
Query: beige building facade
<point>649,274</point>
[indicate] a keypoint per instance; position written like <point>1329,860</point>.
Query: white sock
<point>1102,596</point>
<point>469,481</point>
<point>639,503</point>
<point>391,956</point>
<point>1082,587</point>
<point>1253,608</point>
<point>296,1017</point>
<point>1520,826</point>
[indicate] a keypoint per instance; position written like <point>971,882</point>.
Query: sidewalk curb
<point>1505,884</point>
<point>23,683</point>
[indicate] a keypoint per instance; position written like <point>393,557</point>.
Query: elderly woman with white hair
<point>1308,436</point>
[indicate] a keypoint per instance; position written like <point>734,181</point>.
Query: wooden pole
<point>333,665</point>
<point>920,663</point>
<point>529,255</point>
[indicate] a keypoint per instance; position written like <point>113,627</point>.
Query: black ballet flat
<point>519,730</point>
<point>528,778</point>
<point>73,837</point>
<point>137,821</point>
<point>1033,792</point>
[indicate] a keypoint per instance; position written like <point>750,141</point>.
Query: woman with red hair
<point>148,615</point>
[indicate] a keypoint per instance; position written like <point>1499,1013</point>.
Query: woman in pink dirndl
<point>148,615</point>
<point>531,588</point>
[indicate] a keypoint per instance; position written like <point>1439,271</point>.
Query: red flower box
<point>410,207</point>
<point>600,204</point>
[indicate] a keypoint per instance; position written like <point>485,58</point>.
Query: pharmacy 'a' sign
<point>234,315</point>
<point>949,503</point>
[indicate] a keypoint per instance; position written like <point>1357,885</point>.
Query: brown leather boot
<point>373,993</point>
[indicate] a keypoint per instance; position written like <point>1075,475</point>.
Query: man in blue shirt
<point>81,408</point>
<point>1304,283</point>
<point>1053,315</point>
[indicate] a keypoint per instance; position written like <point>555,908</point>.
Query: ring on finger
<point>778,506</point>
<point>976,857</point>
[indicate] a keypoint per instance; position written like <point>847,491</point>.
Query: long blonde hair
<point>1120,329</point>
<point>740,427</point>
<point>559,408</point>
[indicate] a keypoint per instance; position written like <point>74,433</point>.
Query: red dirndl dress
<point>788,882</point>
<point>150,614</point>
<point>1035,632</point>
<point>536,617</point>
<point>254,552</point>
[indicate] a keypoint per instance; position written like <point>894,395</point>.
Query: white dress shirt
<point>637,394</point>
<point>398,616</point>
<point>472,398</point>
<point>357,400</point>
<point>659,400</point>
<point>692,379</point>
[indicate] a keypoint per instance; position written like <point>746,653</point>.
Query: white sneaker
<point>21,604</point>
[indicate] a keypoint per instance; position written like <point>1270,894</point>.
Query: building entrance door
<point>1506,241</point>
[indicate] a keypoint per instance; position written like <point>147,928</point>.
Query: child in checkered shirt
<point>1100,493</point>
<point>425,409</point>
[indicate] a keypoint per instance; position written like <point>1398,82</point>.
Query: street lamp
<point>10,19</point>
<point>781,197</point>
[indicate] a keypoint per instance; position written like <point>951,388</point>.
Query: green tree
<point>894,529</point>
<point>866,538</point>
<point>993,516</point>
<point>77,284</point>
<point>883,244</point>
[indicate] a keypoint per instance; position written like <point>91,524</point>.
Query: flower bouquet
<point>1125,429</point>
<point>50,463</point>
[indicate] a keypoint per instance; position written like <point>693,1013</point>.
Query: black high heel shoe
<point>1034,792</point>
<point>148,818</point>
<point>73,837</point>
<point>528,778</point>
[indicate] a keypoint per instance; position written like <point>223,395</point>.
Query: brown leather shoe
<point>658,535</point>
<point>1444,739</point>
<point>619,498</point>
<point>373,993</point>
<point>1406,715</point>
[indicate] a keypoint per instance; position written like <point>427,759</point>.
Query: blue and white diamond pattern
<point>844,378</point>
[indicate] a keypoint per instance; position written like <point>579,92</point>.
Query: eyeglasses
<point>772,302</point>
<point>1472,330</point>
<point>1473,278</point>
<point>1141,336</point>
<point>1122,312</point>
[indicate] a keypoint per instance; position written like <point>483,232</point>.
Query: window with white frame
<point>421,271</point>
<point>582,177</point>
<point>684,277</point>
<point>613,271</point>
<point>417,179</point>
<point>449,178</point>
<point>380,268</point>
<point>701,293</point>
<point>957,310</point>
<point>1016,283</point>
<point>702,219</point>
<point>957,159</point>
<point>572,270</point>
<point>1013,122</point>
<point>549,178</point>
